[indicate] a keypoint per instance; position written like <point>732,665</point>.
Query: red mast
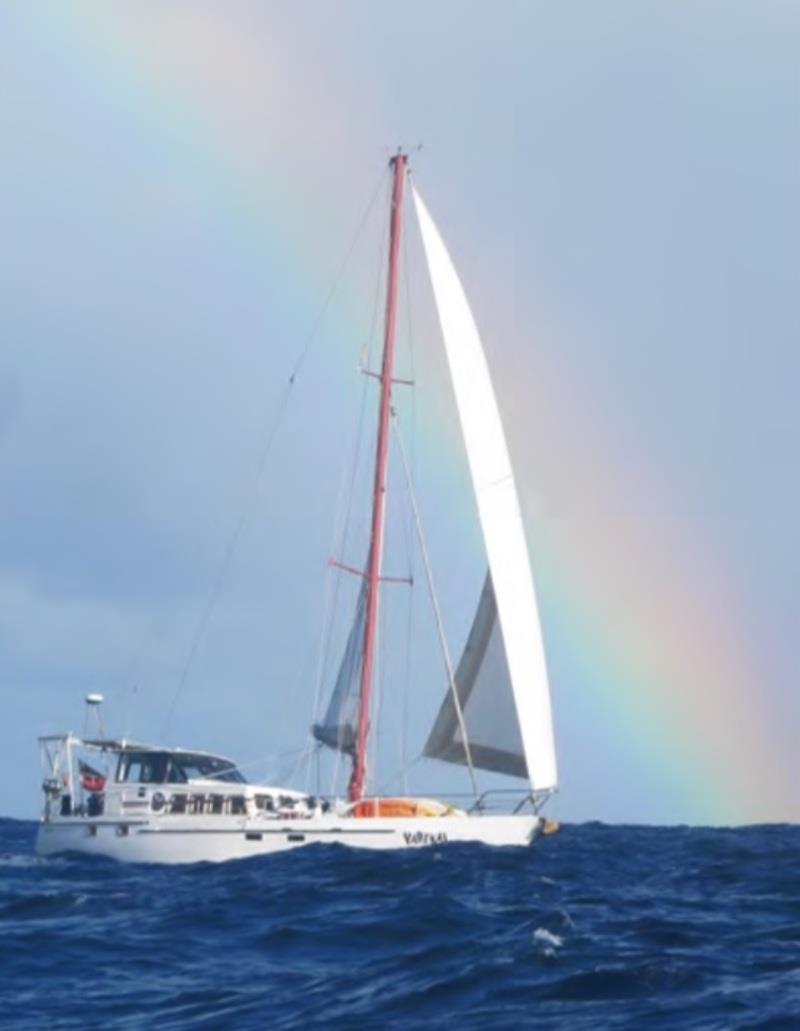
<point>355,788</point>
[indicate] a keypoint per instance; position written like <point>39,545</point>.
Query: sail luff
<point>498,508</point>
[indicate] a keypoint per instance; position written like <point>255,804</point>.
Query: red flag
<point>91,779</point>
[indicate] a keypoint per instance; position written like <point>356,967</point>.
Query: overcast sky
<point>618,183</point>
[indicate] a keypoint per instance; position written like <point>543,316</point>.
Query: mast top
<point>402,154</point>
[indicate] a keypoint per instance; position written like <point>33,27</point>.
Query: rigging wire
<point>269,762</point>
<point>406,685</point>
<point>408,544</point>
<point>306,754</point>
<point>436,611</point>
<point>344,506</point>
<point>272,431</point>
<point>343,523</point>
<point>371,752</point>
<point>152,635</point>
<point>340,537</point>
<point>385,619</point>
<point>386,784</point>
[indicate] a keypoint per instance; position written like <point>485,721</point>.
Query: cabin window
<point>142,768</point>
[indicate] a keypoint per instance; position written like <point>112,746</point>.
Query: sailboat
<point>149,803</point>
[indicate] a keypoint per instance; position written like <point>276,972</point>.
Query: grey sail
<point>485,694</point>
<point>338,728</point>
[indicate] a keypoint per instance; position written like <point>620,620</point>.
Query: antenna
<point>93,703</point>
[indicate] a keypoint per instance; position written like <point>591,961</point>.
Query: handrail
<point>517,799</point>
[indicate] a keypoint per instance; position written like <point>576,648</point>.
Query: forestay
<point>481,676</point>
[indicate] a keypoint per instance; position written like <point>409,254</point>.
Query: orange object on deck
<point>399,807</point>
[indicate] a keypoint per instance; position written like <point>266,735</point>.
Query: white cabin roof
<point>120,745</point>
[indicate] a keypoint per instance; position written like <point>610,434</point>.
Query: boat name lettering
<point>423,838</point>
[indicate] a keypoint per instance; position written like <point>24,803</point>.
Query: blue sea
<point>594,927</point>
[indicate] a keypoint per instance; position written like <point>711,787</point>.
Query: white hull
<point>193,840</point>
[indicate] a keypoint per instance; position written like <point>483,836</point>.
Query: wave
<point>595,926</point>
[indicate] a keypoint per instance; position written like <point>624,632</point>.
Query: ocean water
<point>594,927</point>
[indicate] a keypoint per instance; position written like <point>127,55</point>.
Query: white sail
<point>498,509</point>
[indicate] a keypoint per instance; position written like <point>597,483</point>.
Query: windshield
<point>202,767</point>
<point>166,768</point>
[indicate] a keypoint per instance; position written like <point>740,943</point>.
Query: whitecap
<point>23,860</point>
<point>541,934</point>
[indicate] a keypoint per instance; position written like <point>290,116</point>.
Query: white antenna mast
<point>93,704</point>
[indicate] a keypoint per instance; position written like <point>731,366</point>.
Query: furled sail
<point>338,727</point>
<point>504,536</point>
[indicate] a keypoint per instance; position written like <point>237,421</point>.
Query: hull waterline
<point>188,841</point>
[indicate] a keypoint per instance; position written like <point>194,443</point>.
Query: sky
<point>617,183</point>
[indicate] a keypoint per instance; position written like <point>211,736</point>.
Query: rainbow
<point>651,656</point>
